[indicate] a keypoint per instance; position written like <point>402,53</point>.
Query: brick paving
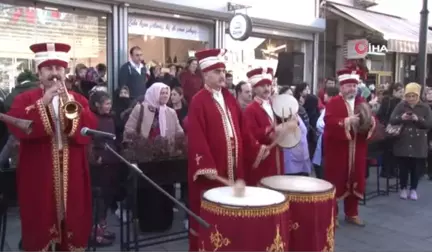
<point>392,225</point>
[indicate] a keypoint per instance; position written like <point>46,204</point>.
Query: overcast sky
<point>409,9</point>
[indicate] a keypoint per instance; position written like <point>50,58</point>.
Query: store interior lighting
<point>146,37</point>
<point>50,8</point>
<point>271,51</point>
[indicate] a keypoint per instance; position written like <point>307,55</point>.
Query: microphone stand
<point>135,168</point>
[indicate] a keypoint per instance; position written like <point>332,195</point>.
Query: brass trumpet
<point>71,108</point>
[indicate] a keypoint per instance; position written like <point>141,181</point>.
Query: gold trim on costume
<point>347,129</point>
<point>311,197</point>
<point>218,240</point>
<point>226,124</point>
<point>236,144</point>
<point>56,172</point>
<point>330,236</point>
<point>372,129</point>
<point>293,225</point>
<point>44,116</point>
<point>53,230</point>
<point>355,192</point>
<point>278,245</point>
<point>204,171</point>
<point>202,249</point>
<point>75,123</point>
<point>65,149</point>
<point>346,125</point>
<point>76,249</point>
<point>244,212</point>
<point>259,156</point>
<point>48,247</point>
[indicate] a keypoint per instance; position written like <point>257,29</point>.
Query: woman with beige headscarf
<point>411,145</point>
<point>157,119</point>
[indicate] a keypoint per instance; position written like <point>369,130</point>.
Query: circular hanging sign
<point>240,27</point>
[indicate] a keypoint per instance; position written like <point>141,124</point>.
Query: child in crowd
<point>103,167</point>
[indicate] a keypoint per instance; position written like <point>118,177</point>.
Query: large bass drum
<point>250,223</point>
<point>312,205</point>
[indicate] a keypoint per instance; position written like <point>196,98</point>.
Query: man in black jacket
<point>133,73</point>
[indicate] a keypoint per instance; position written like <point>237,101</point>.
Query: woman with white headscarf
<point>152,119</point>
<point>157,118</point>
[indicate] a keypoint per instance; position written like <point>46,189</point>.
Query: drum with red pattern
<point>312,206</point>
<point>254,222</point>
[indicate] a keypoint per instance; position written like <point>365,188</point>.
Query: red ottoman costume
<point>53,177</point>
<point>345,151</point>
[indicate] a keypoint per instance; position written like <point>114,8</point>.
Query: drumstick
<point>274,143</point>
<point>239,186</point>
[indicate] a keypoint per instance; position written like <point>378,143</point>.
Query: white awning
<point>401,35</point>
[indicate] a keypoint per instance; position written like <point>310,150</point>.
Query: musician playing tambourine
<point>260,119</point>
<point>348,126</point>
<point>52,174</point>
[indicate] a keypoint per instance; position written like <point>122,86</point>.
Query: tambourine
<point>290,140</point>
<point>285,106</point>
<point>365,115</point>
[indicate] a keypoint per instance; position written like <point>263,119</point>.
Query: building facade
<point>168,31</point>
<point>393,41</point>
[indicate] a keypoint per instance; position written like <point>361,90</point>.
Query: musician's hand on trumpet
<point>49,94</point>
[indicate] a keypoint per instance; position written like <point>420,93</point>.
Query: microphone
<point>96,133</point>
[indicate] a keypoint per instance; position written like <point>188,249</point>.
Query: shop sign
<point>30,15</point>
<point>168,29</point>
<point>240,27</point>
<point>360,48</point>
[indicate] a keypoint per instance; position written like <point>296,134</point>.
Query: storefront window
<point>382,63</point>
<point>165,42</point>
<point>22,26</point>
<point>264,52</point>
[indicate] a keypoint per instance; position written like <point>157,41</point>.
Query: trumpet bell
<point>72,110</point>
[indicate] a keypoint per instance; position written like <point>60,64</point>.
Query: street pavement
<point>392,225</point>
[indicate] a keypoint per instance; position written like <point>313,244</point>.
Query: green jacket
<point>16,91</point>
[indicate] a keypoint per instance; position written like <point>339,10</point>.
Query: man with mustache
<point>217,138</point>
<point>52,175</point>
<point>345,149</point>
<point>260,120</point>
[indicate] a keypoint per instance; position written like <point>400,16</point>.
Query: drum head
<point>290,140</point>
<point>285,105</point>
<point>299,184</point>
<point>254,197</point>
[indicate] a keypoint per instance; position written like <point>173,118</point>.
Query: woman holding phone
<point>411,146</point>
